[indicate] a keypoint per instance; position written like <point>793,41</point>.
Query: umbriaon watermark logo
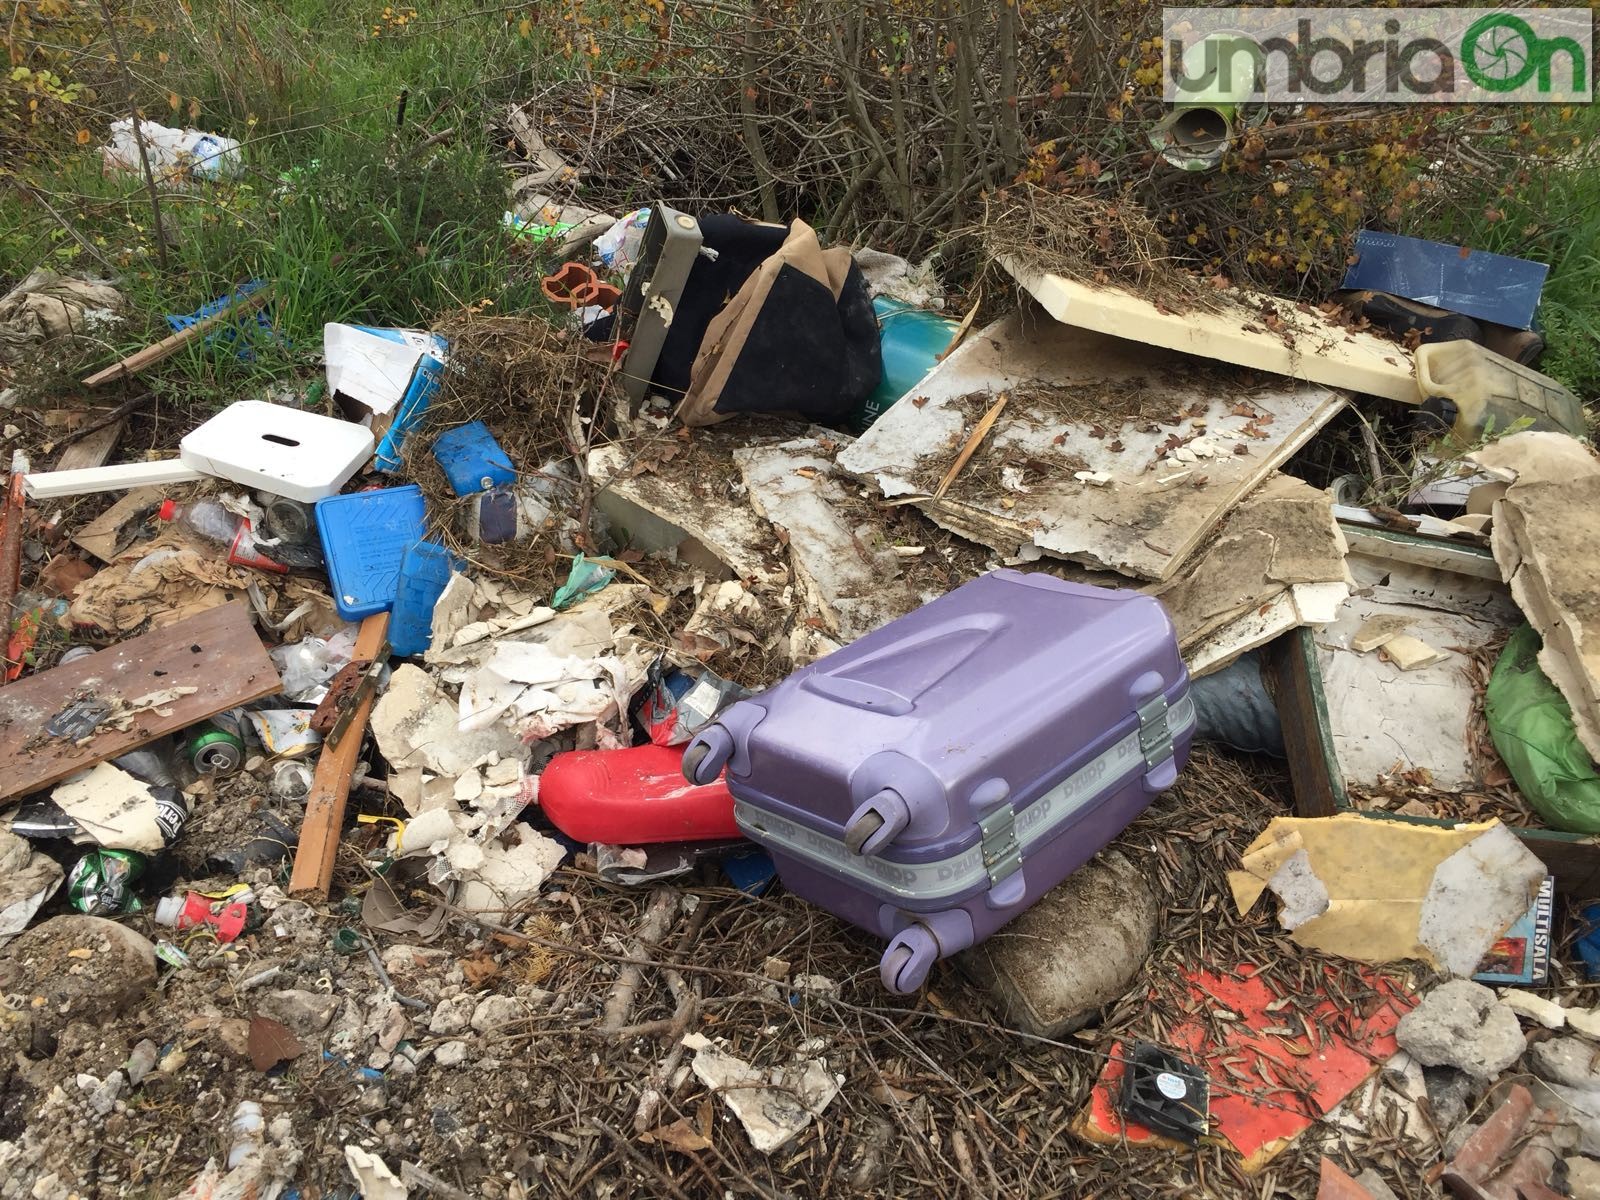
<point>1378,55</point>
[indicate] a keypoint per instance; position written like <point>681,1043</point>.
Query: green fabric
<point>1531,724</point>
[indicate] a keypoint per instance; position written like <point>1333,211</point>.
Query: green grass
<point>354,215</point>
<point>1549,213</point>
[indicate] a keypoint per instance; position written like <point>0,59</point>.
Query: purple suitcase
<point>932,780</point>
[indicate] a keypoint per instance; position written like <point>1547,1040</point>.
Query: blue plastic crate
<point>472,460</point>
<point>424,572</point>
<point>365,535</point>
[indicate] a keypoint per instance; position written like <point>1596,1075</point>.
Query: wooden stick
<point>985,423</point>
<point>330,785</point>
<point>962,329</point>
<point>168,346</point>
<point>14,503</point>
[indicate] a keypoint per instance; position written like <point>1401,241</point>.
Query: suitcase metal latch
<point>1155,733</point>
<point>1002,853</point>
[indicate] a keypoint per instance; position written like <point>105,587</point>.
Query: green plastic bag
<point>1531,724</point>
<point>584,579</point>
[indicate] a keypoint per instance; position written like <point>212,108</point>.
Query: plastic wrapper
<point>307,665</point>
<point>618,247</point>
<point>677,705</point>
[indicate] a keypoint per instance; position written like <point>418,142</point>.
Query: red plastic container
<point>633,797</point>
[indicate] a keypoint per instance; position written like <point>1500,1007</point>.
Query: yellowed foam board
<point>1305,344</point>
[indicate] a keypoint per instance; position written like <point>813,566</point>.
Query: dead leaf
<point>271,1043</point>
<point>680,1136</point>
<point>478,969</point>
<point>883,1093</point>
<point>918,401</point>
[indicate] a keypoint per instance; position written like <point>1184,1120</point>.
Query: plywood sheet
<point>1085,403</point>
<point>1252,329</point>
<point>209,663</point>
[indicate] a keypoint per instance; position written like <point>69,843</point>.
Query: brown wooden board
<point>168,346</point>
<point>330,785</point>
<point>216,652</point>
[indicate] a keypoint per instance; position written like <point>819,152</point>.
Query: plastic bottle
<point>1466,386</point>
<point>211,521</point>
<point>147,764</point>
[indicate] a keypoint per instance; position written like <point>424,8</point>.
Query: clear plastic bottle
<point>211,521</point>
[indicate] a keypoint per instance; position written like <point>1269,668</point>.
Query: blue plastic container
<point>472,460</point>
<point>365,535</point>
<point>912,340</point>
<point>424,571</point>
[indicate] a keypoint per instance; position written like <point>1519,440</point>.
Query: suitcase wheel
<point>707,755</point>
<point>907,960</point>
<point>877,822</point>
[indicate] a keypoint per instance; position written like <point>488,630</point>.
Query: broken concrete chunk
<point>1536,1008</point>
<point>1410,653</point>
<point>1567,1060</point>
<point>1072,953</point>
<point>495,1012</point>
<point>1585,1021</point>
<point>303,1012</point>
<point>1461,1024</point>
<point>773,1105</point>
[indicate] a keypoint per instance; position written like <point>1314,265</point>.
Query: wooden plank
<point>168,346</point>
<point>101,536</point>
<point>53,485</point>
<point>330,785</point>
<point>92,449</point>
<point>1304,345</point>
<point>13,507</point>
<point>1295,685</point>
<point>215,652</point>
